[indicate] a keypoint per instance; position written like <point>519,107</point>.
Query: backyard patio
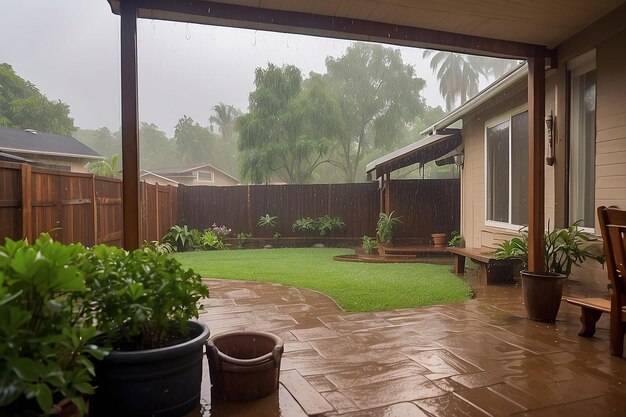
<point>477,358</point>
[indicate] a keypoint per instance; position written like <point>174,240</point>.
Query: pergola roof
<point>422,151</point>
<point>546,23</point>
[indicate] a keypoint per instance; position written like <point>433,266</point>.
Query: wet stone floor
<point>476,358</point>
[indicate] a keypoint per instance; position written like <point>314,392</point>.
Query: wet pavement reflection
<point>477,358</point>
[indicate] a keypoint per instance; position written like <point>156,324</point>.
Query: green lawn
<point>354,286</point>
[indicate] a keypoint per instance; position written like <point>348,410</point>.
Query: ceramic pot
<point>439,239</point>
<point>542,295</point>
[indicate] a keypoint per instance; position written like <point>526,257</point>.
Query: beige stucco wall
<point>610,146</point>
<point>75,164</point>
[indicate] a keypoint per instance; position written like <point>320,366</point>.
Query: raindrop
<point>187,32</point>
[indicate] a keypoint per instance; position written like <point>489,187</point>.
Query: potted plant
<point>564,248</point>
<point>48,350</point>
<point>368,245</point>
<point>439,239</point>
<point>457,240</point>
<point>384,230</point>
<point>142,303</point>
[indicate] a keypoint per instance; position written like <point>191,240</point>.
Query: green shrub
<point>182,238</point>
<point>241,239</point>
<point>326,224</point>
<point>46,335</point>
<point>304,224</point>
<point>369,244</point>
<point>211,241</point>
<point>457,240</point>
<point>384,227</point>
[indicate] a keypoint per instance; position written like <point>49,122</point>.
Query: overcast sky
<point>70,50</point>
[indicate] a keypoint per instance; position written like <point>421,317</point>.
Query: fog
<point>70,50</point>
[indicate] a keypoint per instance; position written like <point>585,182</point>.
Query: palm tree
<point>105,168</point>
<point>459,74</point>
<point>225,115</point>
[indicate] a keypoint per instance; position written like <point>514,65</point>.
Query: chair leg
<point>588,319</point>
<point>618,328</point>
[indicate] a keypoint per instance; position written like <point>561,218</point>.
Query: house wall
<point>75,164</point>
<point>610,142</point>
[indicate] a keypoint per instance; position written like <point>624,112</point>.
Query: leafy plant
<point>241,239</point>
<point>563,248</point>
<point>277,235</point>
<point>457,240</point>
<point>304,224</point>
<point>46,337</point>
<point>211,241</point>
<point>159,247</point>
<point>326,224</point>
<point>182,238</point>
<point>139,299</point>
<point>268,221</point>
<point>369,244</point>
<point>385,225</point>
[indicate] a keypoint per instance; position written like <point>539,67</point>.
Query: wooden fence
<point>425,207</point>
<point>76,207</point>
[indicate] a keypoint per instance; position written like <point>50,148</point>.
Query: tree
<point>155,148</point>
<point>194,143</point>
<point>102,140</point>
<point>378,97</point>
<point>225,116</point>
<point>105,168</point>
<point>22,106</point>
<point>226,147</point>
<point>459,74</point>
<point>287,132</point>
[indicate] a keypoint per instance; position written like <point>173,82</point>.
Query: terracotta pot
<point>244,365</point>
<point>439,239</point>
<point>542,295</point>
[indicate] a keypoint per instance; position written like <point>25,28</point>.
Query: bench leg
<point>484,273</point>
<point>588,319</point>
<point>459,264</point>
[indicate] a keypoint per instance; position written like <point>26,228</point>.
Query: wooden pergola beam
<point>130,127</point>
<point>233,15</point>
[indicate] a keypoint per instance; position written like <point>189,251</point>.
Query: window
<point>204,176</point>
<point>582,136</point>
<point>506,149</point>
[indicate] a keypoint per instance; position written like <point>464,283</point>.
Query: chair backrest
<point>613,227</point>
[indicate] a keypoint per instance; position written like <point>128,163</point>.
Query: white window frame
<point>580,65</point>
<point>504,117</point>
<point>212,180</point>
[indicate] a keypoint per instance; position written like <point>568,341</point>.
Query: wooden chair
<point>613,227</point>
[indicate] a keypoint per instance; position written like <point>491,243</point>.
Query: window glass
<point>582,147</point>
<point>507,170</point>
<point>498,172</point>
<point>205,176</point>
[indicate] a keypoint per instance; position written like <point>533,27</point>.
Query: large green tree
<point>378,95</point>
<point>289,130</point>
<point>155,148</point>
<point>195,144</point>
<point>22,106</point>
<point>224,116</point>
<point>102,140</point>
<point>459,74</point>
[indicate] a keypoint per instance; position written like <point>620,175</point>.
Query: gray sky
<point>70,50</point>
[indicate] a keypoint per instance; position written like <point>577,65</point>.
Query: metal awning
<point>425,150</point>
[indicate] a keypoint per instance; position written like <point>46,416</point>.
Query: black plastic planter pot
<point>243,365</point>
<point>162,382</point>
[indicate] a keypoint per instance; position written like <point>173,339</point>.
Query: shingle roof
<point>22,141</point>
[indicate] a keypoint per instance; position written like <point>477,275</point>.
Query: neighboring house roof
<point>181,171</point>
<point>14,158</point>
<point>145,172</point>
<point>422,151</point>
<point>507,80</point>
<point>32,142</point>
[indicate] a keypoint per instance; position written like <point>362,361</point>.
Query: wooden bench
<point>591,311</point>
<point>492,270</point>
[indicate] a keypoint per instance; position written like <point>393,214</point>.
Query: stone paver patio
<point>477,358</point>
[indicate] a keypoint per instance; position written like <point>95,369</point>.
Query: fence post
<point>94,209</point>
<point>249,210</point>
<point>27,209</point>
<point>158,212</point>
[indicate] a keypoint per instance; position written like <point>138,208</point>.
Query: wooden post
<point>536,179</point>
<point>249,210</point>
<point>130,126</point>
<point>27,209</point>
<point>94,209</point>
<point>387,193</point>
<point>157,213</point>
